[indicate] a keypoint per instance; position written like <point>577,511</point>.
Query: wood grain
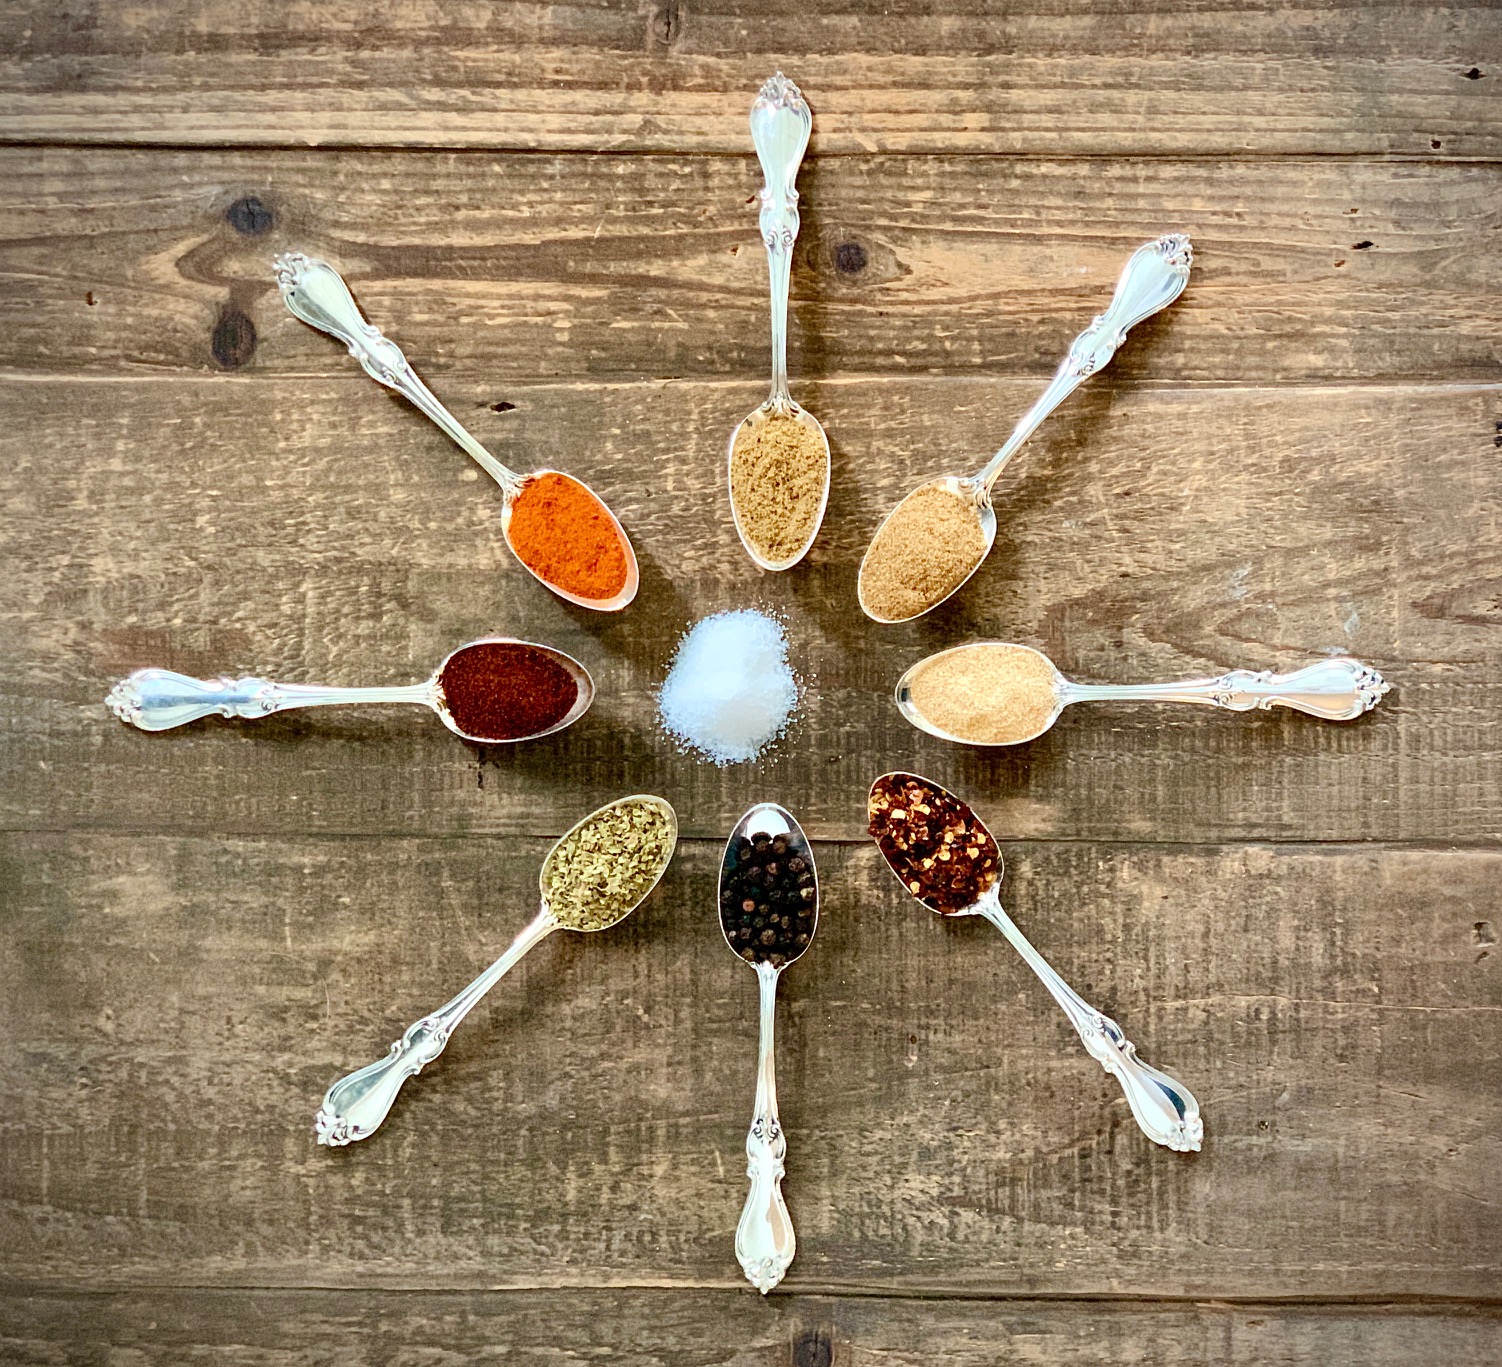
<point>528,267</point>
<point>719,1329</point>
<point>320,531</point>
<point>1100,79</point>
<point>175,1007</point>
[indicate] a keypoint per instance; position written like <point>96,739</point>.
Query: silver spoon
<point>1152,279</point>
<point>1338,689</point>
<point>1164,1108</point>
<point>354,1107</point>
<point>316,293</point>
<point>764,1239</point>
<point>159,699</point>
<point>780,125</point>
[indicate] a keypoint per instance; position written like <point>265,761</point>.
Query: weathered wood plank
<point>692,1329</point>
<point>1224,78</point>
<point>525,267</point>
<point>175,1007</point>
<point>321,531</point>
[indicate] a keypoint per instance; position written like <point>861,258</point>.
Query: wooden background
<point>551,207</point>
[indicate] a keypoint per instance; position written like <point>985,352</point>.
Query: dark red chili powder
<point>504,691</point>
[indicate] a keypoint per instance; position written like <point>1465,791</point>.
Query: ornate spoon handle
<point>1152,279</point>
<point>315,292</point>
<point>1334,690</point>
<point>159,699</point>
<point>1164,1108</point>
<point>354,1107</point>
<point>780,125</point>
<point>764,1239</point>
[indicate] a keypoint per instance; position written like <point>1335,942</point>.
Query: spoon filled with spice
<point>769,909</point>
<point>556,525</point>
<point>592,879</point>
<point>778,455</point>
<point>944,856</point>
<point>937,537</point>
<point>996,693</point>
<point>491,691</point>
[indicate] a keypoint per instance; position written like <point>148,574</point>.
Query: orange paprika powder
<point>563,533</point>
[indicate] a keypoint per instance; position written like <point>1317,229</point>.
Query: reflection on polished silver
<point>780,128</point>
<point>1164,1108</point>
<point>160,699</point>
<point>764,1239</point>
<point>316,293</point>
<point>1336,689</point>
<point>354,1107</point>
<point>1153,277</point>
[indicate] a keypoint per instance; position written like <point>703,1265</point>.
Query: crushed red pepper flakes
<point>935,844</point>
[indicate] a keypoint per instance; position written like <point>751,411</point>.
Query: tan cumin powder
<point>777,474</point>
<point>922,553</point>
<point>988,693</point>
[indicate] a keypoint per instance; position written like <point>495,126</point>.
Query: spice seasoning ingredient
<point>505,690</point>
<point>778,472</point>
<point>990,693</point>
<point>730,691</point>
<point>921,553</point>
<point>612,859</point>
<point>769,898</point>
<point>565,535</point>
<point>935,844</point>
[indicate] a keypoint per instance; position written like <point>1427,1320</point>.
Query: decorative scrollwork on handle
<point>354,1107</point>
<point>159,699</point>
<point>1164,1108</point>
<point>1337,690</point>
<point>316,293</point>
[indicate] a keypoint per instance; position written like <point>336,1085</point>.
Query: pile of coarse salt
<point>730,692</point>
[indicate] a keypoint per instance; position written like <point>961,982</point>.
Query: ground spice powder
<point>778,471</point>
<point>922,553</point>
<point>499,691</point>
<point>602,868</point>
<point>562,532</point>
<point>989,693</point>
<point>935,844</point>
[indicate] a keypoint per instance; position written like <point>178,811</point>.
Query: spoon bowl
<point>758,417</point>
<point>576,671</point>
<point>972,492</point>
<point>511,490</point>
<point>773,823</point>
<point>910,710</point>
<point>661,805</point>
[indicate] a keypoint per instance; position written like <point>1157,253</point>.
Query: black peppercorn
<point>768,897</point>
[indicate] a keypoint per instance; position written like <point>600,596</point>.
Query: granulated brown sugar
<point>777,475</point>
<point>922,553</point>
<point>989,693</point>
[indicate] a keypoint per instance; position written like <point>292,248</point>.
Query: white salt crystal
<point>730,691</point>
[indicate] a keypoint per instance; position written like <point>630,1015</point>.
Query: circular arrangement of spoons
<point>500,690</point>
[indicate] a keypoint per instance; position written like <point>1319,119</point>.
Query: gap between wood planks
<point>1438,158</point>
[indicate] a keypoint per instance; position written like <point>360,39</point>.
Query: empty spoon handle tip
<point>764,1238</point>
